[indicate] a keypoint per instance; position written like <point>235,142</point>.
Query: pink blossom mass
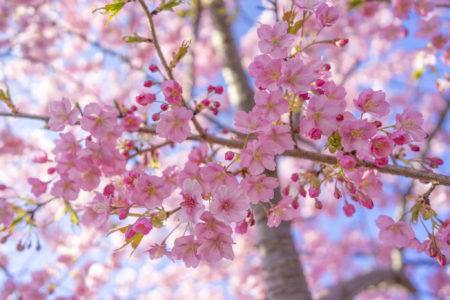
<point>223,149</point>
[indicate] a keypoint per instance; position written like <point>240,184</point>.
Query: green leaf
<point>111,9</point>
<point>136,39</point>
<point>73,215</point>
<point>169,5</point>
<point>354,3</point>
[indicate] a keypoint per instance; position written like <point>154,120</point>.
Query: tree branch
<point>298,153</point>
<point>350,288</point>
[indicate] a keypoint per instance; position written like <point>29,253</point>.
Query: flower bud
<point>229,155</point>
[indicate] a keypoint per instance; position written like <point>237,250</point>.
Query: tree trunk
<point>283,275</point>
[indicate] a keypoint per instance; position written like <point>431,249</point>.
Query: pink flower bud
<point>219,90</point>
<point>211,89</point>
<point>302,191</point>
<point>153,68</point>
<point>40,158</point>
<point>148,83</point>
<point>319,82</point>
<point>164,106</point>
<point>241,227</point>
<point>51,170</point>
<point>431,250</point>
<point>286,191</point>
<point>337,193</point>
<point>129,233</point>
<point>400,137</point>
<point>206,102</point>
<point>229,155</point>
<point>216,104</point>
<point>123,213</point>
<point>108,190</point>
<point>304,96</point>
<point>143,225</point>
<point>339,117</point>
<point>341,42</point>
<point>441,259</point>
<point>215,111</point>
<point>2,187</point>
<point>414,148</point>
<point>294,177</point>
<point>315,134</point>
<point>381,162</point>
<point>326,67</point>
<point>294,203</point>
<point>156,117</point>
<point>378,124</point>
<point>348,162</point>
<point>314,191</point>
<point>318,204</point>
<point>349,209</point>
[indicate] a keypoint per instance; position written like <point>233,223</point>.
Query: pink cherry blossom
<point>348,162</point>
<point>296,76</point>
<point>327,15</point>
<point>279,137</point>
<point>271,105</point>
<point>400,137</point>
<point>381,146</point>
<point>269,75</point>
<point>61,114</point>
<point>229,204</point>
<point>258,63</point>
<point>259,188</point>
<point>199,154</point>
<point>215,247</point>
<point>411,122</point>
<point>157,251</point>
<point>131,122</point>
<point>335,93</point>
<point>6,214</point>
<point>38,187</point>
<point>308,4</point>
<point>428,28</point>
<point>257,157</point>
<point>355,135</point>
<point>172,92</point>
<point>321,114</point>
<point>250,122</point>
<point>397,234</point>
<point>213,176</point>
<point>401,8</point>
<point>186,248</point>
<point>174,125</point>
<point>142,225</point>
<point>210,226</point>
<point>150,191</point>
<point>97,120</point>
<point>281,212</point>
<point>274,40</point>
<point>86,174</point>
<point>97,211</point>
<point>66,188</point>
<point>191,205</point>
<point>373,102</point>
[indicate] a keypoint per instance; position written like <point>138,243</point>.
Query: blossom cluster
<point>211,201</point>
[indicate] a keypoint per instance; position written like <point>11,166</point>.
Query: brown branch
<point>350,288</point>
<point>298,153</point>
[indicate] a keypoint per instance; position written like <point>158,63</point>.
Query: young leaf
<point>111,9</point>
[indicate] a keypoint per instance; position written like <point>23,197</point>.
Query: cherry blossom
<point>174,124</point>
<point>62,114</point>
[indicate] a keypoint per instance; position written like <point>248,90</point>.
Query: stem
<point>298,153</point>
